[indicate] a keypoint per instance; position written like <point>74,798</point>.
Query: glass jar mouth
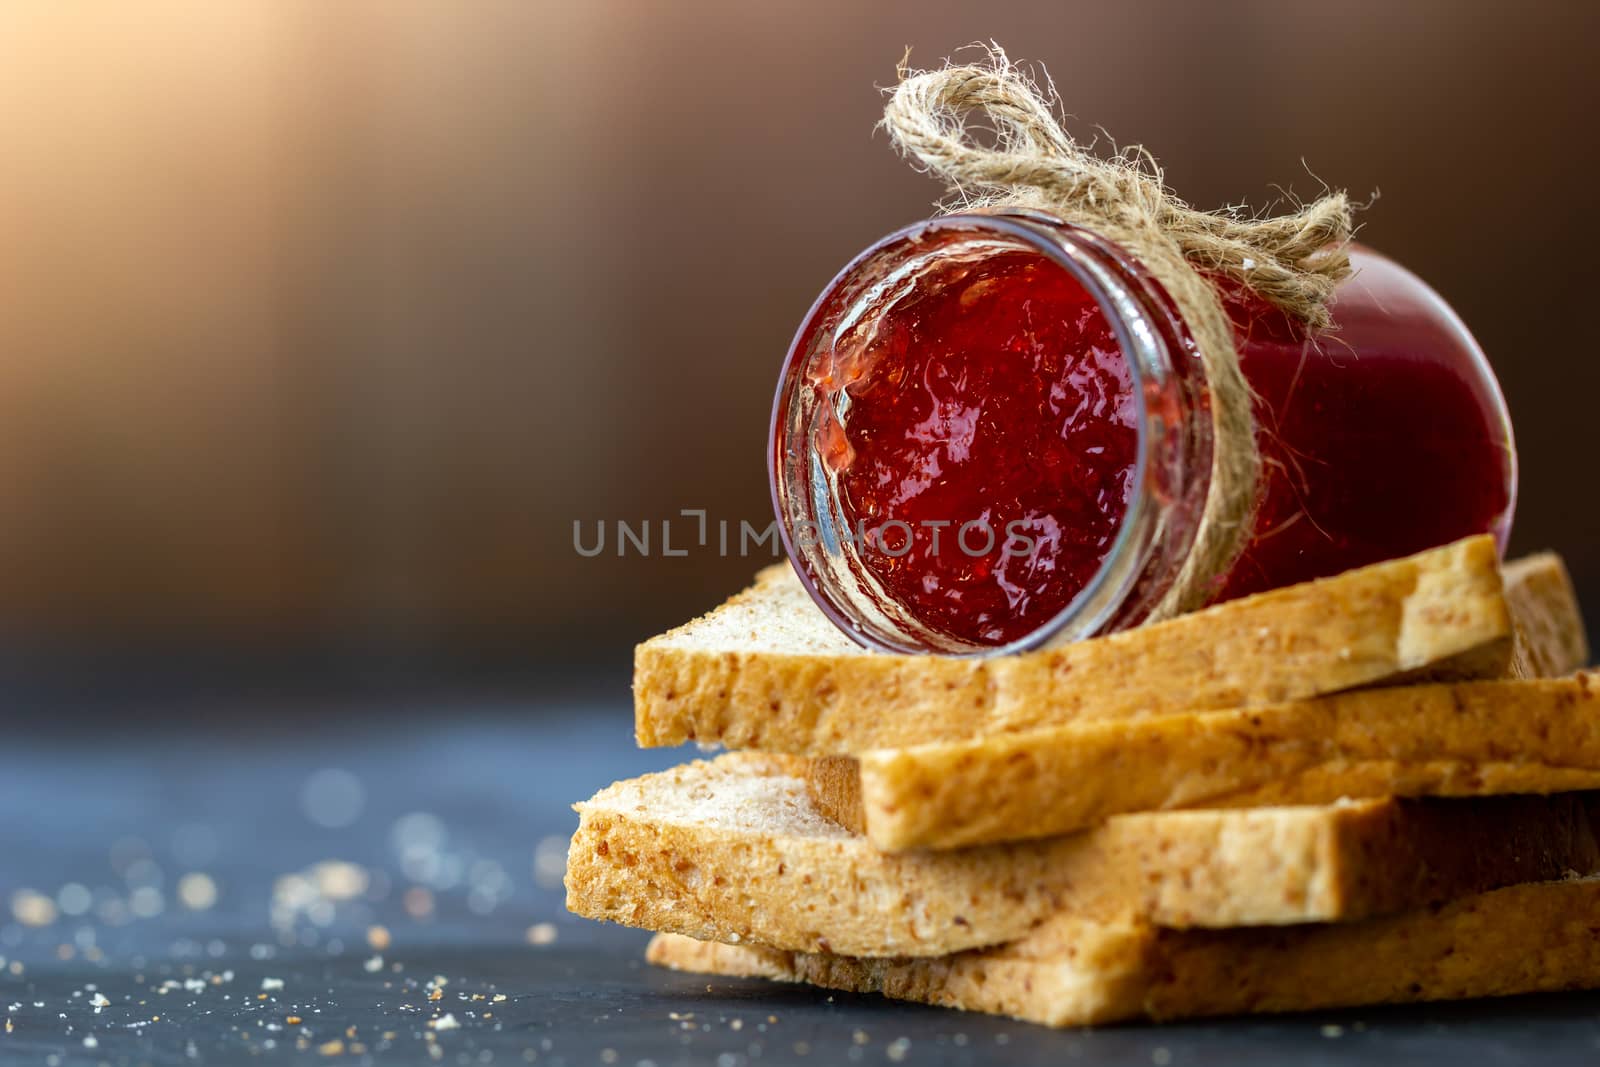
<point>799,488</point>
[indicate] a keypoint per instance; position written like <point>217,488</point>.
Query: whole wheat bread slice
<point>767,670</point>
<point>1075,972</point>
<point>1549,642</point>
<point>733,850</point>
<point>1467,739</point>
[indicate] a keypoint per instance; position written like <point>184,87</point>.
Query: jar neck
<point>1169,480</point>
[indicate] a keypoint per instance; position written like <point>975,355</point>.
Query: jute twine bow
<point>1292,261</point>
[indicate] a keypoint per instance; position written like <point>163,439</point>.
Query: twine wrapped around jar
<point>1292,261</point>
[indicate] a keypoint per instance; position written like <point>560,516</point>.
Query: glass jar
<point>992,433</point>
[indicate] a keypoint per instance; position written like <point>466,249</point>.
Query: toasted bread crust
<point>834,783</point>
<point>767,671</point>
<point>1548,633</point>
<point>1075,972</point>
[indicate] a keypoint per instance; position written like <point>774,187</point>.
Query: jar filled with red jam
<point>993,433</point>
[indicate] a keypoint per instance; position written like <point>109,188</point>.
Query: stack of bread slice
<point>1364,789</point>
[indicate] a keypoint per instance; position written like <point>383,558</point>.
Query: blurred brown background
<point>322,322</point>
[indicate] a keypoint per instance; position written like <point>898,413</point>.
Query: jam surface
<point>984,441</point>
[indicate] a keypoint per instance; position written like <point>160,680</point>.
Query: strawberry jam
<point>994,433</point>
<point>1384,438</point>
<point>989,436</point>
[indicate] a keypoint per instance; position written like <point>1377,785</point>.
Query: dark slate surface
<point>436,823</point>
